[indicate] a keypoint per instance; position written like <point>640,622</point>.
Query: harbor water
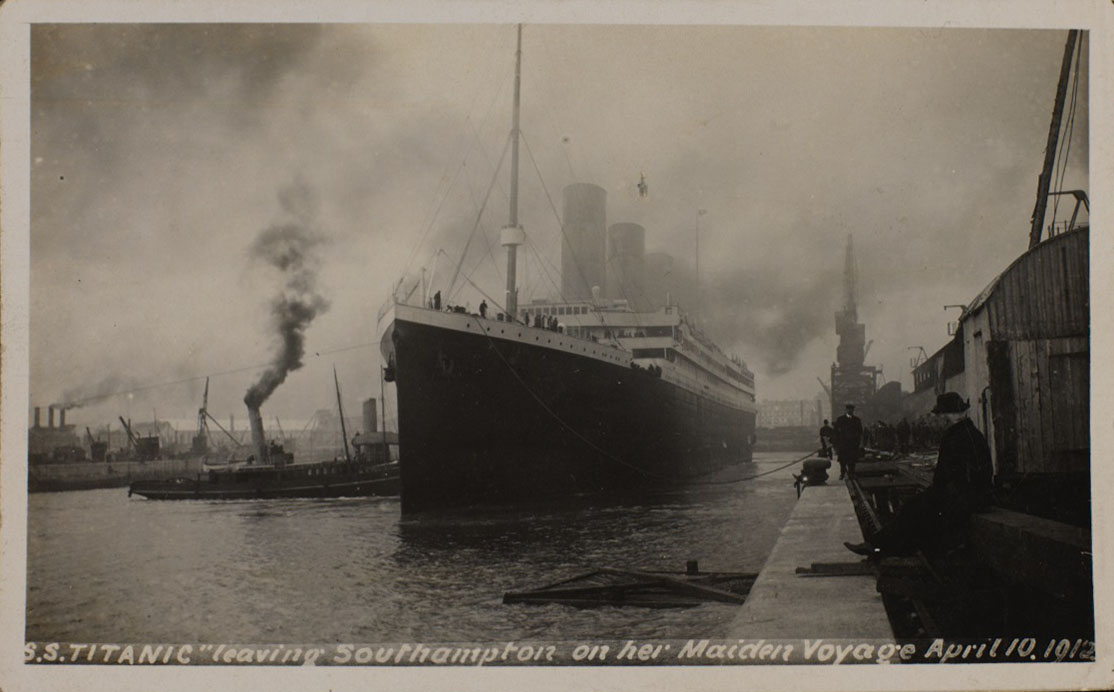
<point>103,567</point>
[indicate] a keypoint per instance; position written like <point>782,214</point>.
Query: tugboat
<point>279,478</point>
<point>271,472</point>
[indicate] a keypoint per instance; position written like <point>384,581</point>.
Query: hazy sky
<point>162,153</point>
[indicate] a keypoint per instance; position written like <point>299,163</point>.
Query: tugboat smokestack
<point>258,442</point>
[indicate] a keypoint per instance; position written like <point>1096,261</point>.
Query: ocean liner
<point>607,389</point>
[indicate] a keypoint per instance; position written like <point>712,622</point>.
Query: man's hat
<point>850,406</point>
<point>950,402</point>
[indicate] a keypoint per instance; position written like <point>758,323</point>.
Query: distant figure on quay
<point>826,433</point>
<point>962,484</point>
<point>848,441</point>
<point>903,432</point>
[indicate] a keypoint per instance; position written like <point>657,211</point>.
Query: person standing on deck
<point>848,440</point>
<point>962,484</point>
<point>826,433</point>
<point>483,309</point>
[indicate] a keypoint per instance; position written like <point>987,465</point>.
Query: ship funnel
<point>659,285</point>
<point>584,227</point>
<point>258,442</point>
<point>626,264</point>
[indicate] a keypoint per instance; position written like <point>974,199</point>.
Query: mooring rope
<point>757,475</point>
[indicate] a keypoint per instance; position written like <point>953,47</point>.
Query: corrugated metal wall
<point>1045,293</point>
<point>1051,383</point>
<point>1039,359</point>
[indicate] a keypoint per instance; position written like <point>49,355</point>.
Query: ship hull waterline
<point>490,421</point>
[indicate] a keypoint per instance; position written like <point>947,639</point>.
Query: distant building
<point>794,413</point>
<point>853,382</point>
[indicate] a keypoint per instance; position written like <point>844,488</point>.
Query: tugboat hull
<point>330,479</point>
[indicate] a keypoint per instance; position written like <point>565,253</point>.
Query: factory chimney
<point>50,416</point>
<point>37,411</point>
<point>258,441</point>
<point>61,418</point>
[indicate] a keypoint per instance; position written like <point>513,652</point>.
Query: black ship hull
<point>329,479</point>
<point>485,420</point>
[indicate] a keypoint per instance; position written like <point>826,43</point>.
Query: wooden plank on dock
<point>785,605</point>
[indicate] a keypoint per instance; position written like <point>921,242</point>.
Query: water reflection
<point>102,567</point>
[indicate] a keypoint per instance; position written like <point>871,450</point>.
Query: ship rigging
<point>606,389</point>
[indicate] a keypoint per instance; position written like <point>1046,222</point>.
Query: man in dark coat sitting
<point>962,484</point>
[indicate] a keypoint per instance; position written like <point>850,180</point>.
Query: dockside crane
<point>133,442</point>
<point>97,449</point>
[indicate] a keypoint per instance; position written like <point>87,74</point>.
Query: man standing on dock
<point>848,441</point>
<point>962,484</point>
<point>826,433</point>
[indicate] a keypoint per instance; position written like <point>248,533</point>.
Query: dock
<point>811,585</point>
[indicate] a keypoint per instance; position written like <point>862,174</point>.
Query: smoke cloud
<point>290,248</point>
<point>774,314</point>
<point>157,151</point>
<point>108,386</point>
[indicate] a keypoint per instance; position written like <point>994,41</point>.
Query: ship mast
<point>340,410</point>
<point>512,234</point>
<point>1045,180</point>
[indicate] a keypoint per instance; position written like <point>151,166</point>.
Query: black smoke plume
<point>290,248</point>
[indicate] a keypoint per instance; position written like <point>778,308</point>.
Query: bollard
<point>815,471</point>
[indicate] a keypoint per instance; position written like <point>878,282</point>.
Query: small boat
<point>609,586</point>
<point>271,472</point>
<point>249,481</point>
